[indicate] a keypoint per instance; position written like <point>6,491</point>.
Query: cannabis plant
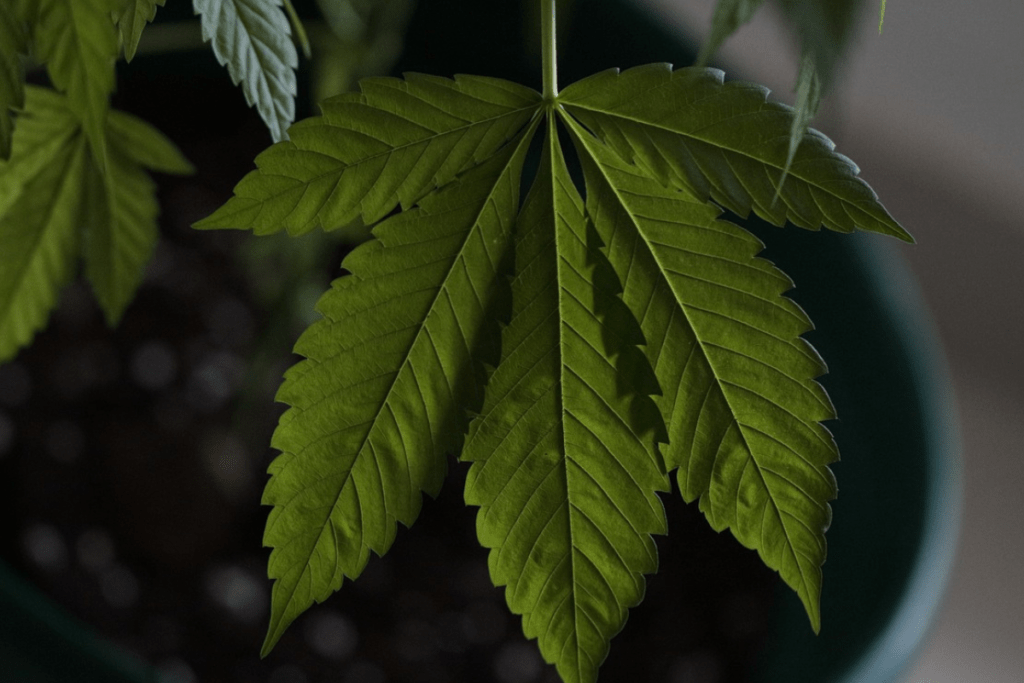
<point>551,293</point>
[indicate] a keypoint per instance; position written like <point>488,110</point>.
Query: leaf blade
<point>38,216</point>
<point>12,75</point>
<point>741,401</point>
<point>388,376</point>
<point>565,481</point>
<point>423,130</point>
<point>252,38</point>
<point>132,21</point>
<point>726,142</point>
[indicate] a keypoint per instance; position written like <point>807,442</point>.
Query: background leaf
<point>388,145</point>
<point>78,42</point>
<point>40,195</point>
<point>729,15</point>
<point>120,211</point>
<point>565,477</point>
<point>726,142</point>
<point>133,19</point>
<point>253,39</point>
<point>740,400</point>
<point>384,390</point>
<point>805,108</point>
<point>12,75</point>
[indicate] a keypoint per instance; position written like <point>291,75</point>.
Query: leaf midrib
<point>40,236</point>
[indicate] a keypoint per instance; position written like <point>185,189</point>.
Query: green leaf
<point>390,144</point>
<point>133,19</point>
<point>808,98</point>
<point>145,145</point>
<point>565,443</point>
<point>825,29</point>
<point>564,475</point>
<point>12,75</point>
<point>740,399</point>
<point>253,39</point>
<point>52,190</point>
<point>729,16</point>
<point>387,381</point>
<point>300,30</point>
<point>120,211</point>
<point>40,194</point>
<point>78,42</point>
<point>725,142</point>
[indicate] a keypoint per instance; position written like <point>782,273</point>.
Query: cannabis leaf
<point>40,195</point>
<point>568,448</point>
<point>390,144</point>
<point>565,478</point>
<point>253,39</point>
<point>78,42</point>
<point>51,191</point>
<point>12,77</point>
<point>121,210</point>
<point>739,399</point>
<point>725,142</point>
<point>133,19</point>
<point>386,386</point>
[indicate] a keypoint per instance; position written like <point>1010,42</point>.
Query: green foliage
<point>78,42</point>
<point>134,17</point>
<point>253,39</point>
<point>637,290</point>
<point>55,203</point>
<point>12,77</point>
<point>565,463</point>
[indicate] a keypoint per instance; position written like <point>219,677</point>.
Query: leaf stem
<point>548,49</point>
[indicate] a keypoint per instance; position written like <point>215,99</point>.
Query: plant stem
<point>548,49</point>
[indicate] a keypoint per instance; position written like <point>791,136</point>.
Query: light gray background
<point>931,111</point>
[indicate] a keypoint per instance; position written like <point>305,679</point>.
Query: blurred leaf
<point>41,190</point>
<point>808,99</point>
<point>133,19</point>
<point>383,392</point>
<point>12,75</point>
<point>389,144</point>
<point>565,467</point>
<point>120,211</point>
<point>78,42</point>
<point>51,190</point>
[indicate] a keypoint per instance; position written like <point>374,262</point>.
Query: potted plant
<point>552,295</point>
